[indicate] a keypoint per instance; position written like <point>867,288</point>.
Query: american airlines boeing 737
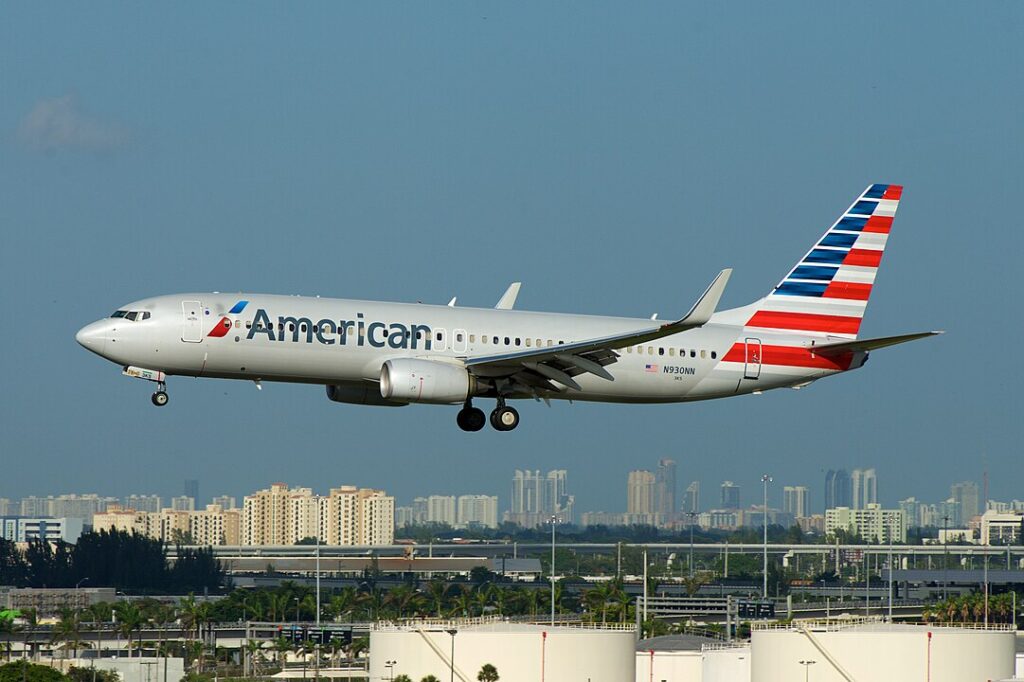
<point>393,354</point>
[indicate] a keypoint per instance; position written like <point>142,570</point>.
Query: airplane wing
<point>508,299</point>
<point>537,367</point>
<point>869,344</point>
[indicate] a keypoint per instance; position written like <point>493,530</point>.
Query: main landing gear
<point>503,418</point>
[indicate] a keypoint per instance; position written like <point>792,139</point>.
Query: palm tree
<point>6,630</point>
<point>282,645</point>
<point>31,617</point>
<point>129,621</point>
<point>402,678</point>
<point>437,593</point>
<point>430,678</point>
<point>488,673</point>
<point>254,650</point>
<point>68,631</point>
<point>343,603</point>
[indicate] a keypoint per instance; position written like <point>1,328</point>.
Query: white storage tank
<point>519,651</point>
<point>866,649</point>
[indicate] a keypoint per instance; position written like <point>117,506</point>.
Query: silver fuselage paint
<point>354,338</point>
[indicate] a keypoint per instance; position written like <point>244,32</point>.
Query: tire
<point>504,418</point>
<point>471,419</point>
<point>160,398</point>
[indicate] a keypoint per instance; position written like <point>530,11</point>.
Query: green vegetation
<point>23,671</point>
<point>970,608</point>
<point>488,673</point>
<point>111,559</point>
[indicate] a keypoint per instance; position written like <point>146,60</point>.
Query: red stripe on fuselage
<point>864,257</point>
<point>850,290</point>
<point>792,356</point>
<point>878,223</point>
<point>835,324</point>
<point>221,329</point>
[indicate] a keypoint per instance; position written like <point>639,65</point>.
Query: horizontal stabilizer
<point>869,344</point>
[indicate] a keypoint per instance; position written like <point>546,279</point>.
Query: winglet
<point>451,303</point>
<point>508,299</point>
<point>705,306</point>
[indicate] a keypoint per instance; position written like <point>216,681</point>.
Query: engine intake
<point>425,381</point>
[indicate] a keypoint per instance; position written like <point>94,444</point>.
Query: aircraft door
<point>752,358</point>
<point>192,321</point>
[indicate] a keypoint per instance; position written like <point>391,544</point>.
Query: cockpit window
<point>132,316</point>
<point>145,316</point>
<point>120,313</point>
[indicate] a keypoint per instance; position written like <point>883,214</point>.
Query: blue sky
<point>613,157</point>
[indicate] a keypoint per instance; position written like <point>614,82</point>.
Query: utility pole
<point>765,480</point>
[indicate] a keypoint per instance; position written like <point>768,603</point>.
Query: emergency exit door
<point>752,358</point>
<point>192,321</point>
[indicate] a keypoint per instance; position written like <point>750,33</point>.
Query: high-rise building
<point>441,509</point>
<point>143,503</point>
<point>911,511</point>
<point>183,503</point>
<point>477,511</point>
<point>8,508</point>
<point>23,529</point>
<point>66,506</point>
<point>536,498</point>
<point>691,498</point>
<point>730,495</point>
<point>640,492</point>
<point>191,488</point>
<point>864,484</point>
<point>794,500</point>
<point>872,523</point>
<point>966,493</point>
<point>837,489</point>
<point>948,514</point>
<point>346,516</point>
<point>225,502</point>
<point>665,491</point>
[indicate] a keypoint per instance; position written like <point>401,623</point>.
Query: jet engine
<point>359,393</point>
<point>425,381</point>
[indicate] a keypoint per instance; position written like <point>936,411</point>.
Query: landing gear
<point>160,398</point>
<point>471,418</point>
<point>504,418</point>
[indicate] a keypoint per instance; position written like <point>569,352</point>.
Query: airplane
<point>395,354</point>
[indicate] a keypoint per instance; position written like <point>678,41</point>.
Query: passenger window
<point>495,340</point>
<point>303,327</point>
<point>472,338</point>
<point>661,351</point>
<point>238,324</point>
<point>483,338</point>
<point>291,326</point>
<point>703,355</point>
<point>693,353</point>
<point>629,349</point>
<point>539,344</point>
<point>248,324</point>
<point>459,337</point>
<point>517,340</point>
<point>714,355</point>
<point>528,342</point>
<point>650,350</point>
<point>671,352</point>
<point>507,341</point>
<point>639,350</point>
<point>438,336</point>
<point>550,343</point>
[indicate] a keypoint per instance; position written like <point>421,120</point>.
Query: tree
<point>488,673</point>
<point>76,674</point>
<point>23,671</point>
<point>430,678</point>
<point>402,678</point>
<point>129,621</point>
<point>68,630</point>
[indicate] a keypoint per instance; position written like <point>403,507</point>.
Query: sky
<point>611,156</point>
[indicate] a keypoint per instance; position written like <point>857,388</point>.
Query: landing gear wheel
<point>504,418</point>
<point>471,418</point>
<point>160,398</point>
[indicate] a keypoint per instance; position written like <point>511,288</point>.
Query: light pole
<point>945,556</point>
<point>807,668</point>
<point>452,632</point>
<point>765,480</point>
<point>691,514</point>
<point>390,665</point>
<point>296,600</point>
<point>554,520</point>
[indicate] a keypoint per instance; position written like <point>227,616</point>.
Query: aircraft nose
<point>93,336</point>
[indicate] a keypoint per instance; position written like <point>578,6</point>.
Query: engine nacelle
<point>425,381</point>
<point>359,393</point>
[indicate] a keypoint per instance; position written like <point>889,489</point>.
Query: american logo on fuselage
<point>358,332</point>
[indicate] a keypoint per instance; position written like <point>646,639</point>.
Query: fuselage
<point>263,337</point>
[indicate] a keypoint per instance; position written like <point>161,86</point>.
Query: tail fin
<point>828,290</point>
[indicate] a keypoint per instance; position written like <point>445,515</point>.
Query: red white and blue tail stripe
<point>827,291</point>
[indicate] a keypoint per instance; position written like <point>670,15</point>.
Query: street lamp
<point>554,520</point>
<point>452,632</point>
<point>807,668</point>
<point>390,665</point>
<point>691,514</point>
<point>296,600</point>
<point>765,480</point>
<point>945,556</point>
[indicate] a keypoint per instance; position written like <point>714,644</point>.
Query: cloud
<point>59,124</point>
